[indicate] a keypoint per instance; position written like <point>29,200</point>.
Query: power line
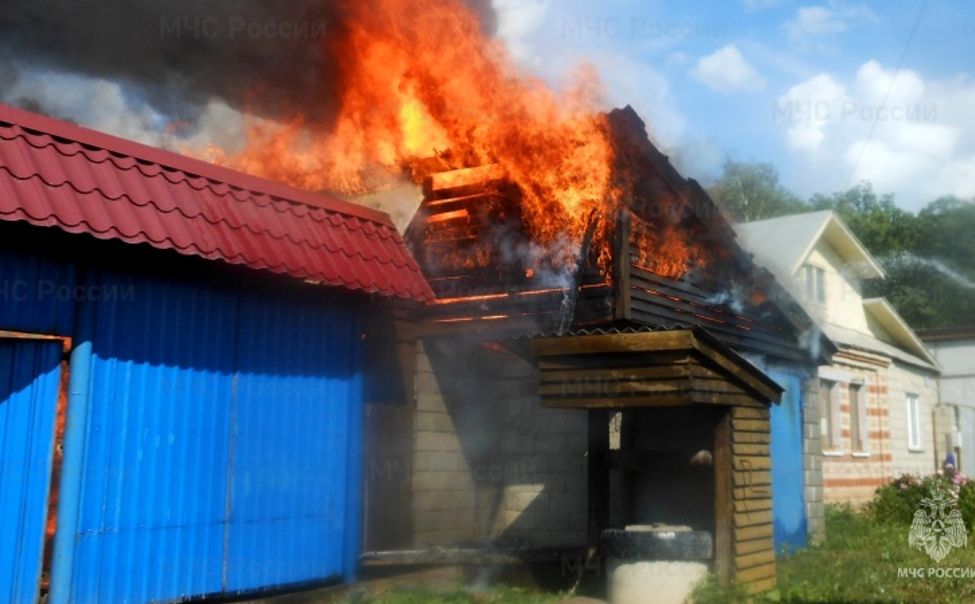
<point>883,104</point>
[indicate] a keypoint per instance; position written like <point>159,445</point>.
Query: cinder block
<point>434,421</point>
<point>436,441</point>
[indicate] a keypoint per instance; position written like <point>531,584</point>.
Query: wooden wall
<point>753,548</point>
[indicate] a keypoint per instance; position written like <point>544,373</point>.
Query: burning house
<point>599,370</point>
<point>646,373</point>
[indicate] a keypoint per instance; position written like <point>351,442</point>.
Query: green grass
<point>858,562</point>
<point>494,595</point>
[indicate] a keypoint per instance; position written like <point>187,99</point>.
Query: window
<point>815,283</point>
<point>858,419</point>
<point>913,422</point>
<point>827,413</point>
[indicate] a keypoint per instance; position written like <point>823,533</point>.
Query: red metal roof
<point>57,174</point>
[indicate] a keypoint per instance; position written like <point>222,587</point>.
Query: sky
<point>832,93</point>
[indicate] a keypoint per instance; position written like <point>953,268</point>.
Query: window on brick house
<point>913,422</point>
<point>827,414</point>
<point>858,419</point>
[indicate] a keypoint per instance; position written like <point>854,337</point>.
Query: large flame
<point>419,78</point>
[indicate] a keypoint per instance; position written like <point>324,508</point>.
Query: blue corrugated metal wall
<point>29,377</point>
<point>151,506</point>
<point>221,440</point>
<point>36,294</point>
<point>214,433</point>
<point>298,368</point>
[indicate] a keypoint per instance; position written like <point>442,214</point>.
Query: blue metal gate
<point>788,501</point>
<point>213,446</point>
<point>29,380</point>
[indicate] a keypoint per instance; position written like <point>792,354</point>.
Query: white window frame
<point>815,283</point>
<point>914,442</point>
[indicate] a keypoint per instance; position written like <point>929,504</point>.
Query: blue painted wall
<point>788,497</point>
<point>213,439</point>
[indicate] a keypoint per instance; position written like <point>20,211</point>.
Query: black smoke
<point>270,57</point>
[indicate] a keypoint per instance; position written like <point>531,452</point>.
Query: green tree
<point>881,226</point>
<point>751,191</point>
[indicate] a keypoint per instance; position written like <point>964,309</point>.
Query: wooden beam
<point>651,341</point>
<point>723,496</point>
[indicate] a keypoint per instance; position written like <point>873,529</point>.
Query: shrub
<point>896,502</point>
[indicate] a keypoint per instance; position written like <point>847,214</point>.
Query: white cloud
<point>726,71</point>
<point>807,108</point>
<point>907,135</point>
<point>814,27</point>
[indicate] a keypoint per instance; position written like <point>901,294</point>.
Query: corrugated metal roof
<point>57,174</point>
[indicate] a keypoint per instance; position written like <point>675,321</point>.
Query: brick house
<point>878,404</point>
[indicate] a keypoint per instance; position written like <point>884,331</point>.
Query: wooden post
<point>723,496</point>
<point>598,473</point>
<point>621,267</point>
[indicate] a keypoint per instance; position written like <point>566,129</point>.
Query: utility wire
<point>876,114</point>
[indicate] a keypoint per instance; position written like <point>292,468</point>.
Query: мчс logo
<point>937,526</point>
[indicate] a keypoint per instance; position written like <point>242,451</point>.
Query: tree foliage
<point>929,257</point>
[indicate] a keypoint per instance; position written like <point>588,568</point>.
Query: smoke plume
<point>270,58</point>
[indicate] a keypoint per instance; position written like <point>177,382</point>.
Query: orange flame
<point>418,79</point>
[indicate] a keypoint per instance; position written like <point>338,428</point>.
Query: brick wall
<point>904,379</point>
<point>853,476</point>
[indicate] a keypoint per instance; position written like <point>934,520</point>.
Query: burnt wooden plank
<point>621,267</point>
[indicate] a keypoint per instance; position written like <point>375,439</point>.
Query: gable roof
<point>56,174</point>
<point>888,318</point>
<point>783,244</point>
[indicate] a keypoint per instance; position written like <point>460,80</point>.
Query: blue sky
<point>818,88</point>
<point>813,88</point>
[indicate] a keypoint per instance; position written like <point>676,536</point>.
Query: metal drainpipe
<point>72,465</point>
